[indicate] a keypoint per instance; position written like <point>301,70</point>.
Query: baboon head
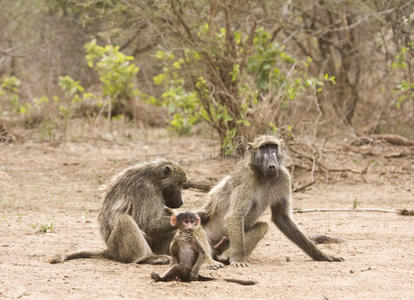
<point>173,177</point>
<point>185,221</point>
<point>266,155</point>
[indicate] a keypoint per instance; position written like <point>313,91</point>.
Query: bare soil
<point>50,198</point>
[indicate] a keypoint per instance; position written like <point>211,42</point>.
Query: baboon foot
<point>236,262</point>
<point>155,277</point>
<point>154,260</point>
<point>55,260</point>
<point>213,264</point>
<point>224,257</point>
<point>239,264</point>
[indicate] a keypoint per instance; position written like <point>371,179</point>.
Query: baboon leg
<point>154,259</point>
<point>197,265</point>
<point>209,262</point>
<point>173,273</point>
<point>251,238</point>
<point>127,243</point>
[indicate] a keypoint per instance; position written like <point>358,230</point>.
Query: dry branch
<point>206,186</point>
<point>370,152</point>
<point>394,139</point>
<point>403,212</point>
<point>201,186</point>
<point>303,187</point>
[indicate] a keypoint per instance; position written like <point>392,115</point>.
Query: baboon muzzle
<point>271,165</point>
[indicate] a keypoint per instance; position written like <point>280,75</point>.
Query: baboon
<point>135,215</point>
<point>187,253</point>
<point>237,201</point>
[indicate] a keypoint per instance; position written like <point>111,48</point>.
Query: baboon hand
<point>193,276</point>
<point>337,258</point>
<point>329,258</point>
<point>213,264</point>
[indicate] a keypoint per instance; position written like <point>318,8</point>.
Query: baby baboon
<point>238,200</point>
<point>187,253</point>
<point>135,215</point>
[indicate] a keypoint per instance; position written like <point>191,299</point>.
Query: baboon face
<point>172,196</point>
<point>265,159</point>
<point>173,178</point>
<point>186,221</point>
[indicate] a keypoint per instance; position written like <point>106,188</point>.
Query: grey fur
<point>135,215</point>
<point>238,200</point>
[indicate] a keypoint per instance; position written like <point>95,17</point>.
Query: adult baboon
<point>135,215</point>
<point>237,201</point>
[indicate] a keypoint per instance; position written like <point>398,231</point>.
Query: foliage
<point>405,88</point>
<point>44,228</point>
<point>74,94</point>
<point>255,89</point>
<point>9,91</point>
<point>116,73</point>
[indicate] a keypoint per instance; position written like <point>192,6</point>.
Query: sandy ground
<point>56,189</point>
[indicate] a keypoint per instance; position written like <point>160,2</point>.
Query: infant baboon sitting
<point>187,253</point>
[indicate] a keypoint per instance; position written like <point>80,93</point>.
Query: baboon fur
<point>239,199</point>
<point>135,215</point>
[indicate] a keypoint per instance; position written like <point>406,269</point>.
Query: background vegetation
<point>232,68</point>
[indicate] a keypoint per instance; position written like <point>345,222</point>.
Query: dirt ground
<point>55,188</point>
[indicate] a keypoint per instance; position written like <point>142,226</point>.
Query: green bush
<point>116,73</point>
<point>9,91</point>
<point>235,97</point>
<point>405,88</point>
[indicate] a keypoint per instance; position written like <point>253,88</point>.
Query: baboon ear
<point>198,220</point>
<point>173,220</point>
<point>167,170</point>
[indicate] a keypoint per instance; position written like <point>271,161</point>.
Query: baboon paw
<point>337,258</point>
<point>330,258</point>
<point>239,264</point>
<point>161,260</point>
<point>155,276</point>
<point>214,265</point>
<point>193,277</point>
<point>55,260</point>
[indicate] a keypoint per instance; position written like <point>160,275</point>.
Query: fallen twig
<point>303,187</point>
<point>394,139</point>
<point>403,212</point>
<point>206,187</point>
<point>368,152</point>
<point>202,186</point>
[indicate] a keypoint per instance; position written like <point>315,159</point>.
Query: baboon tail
<point>75,255</point>
<point>240,281</point>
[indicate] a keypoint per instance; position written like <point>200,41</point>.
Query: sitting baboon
<point>187,253</point>
<point>135,215</point>
<point>237,201</point>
